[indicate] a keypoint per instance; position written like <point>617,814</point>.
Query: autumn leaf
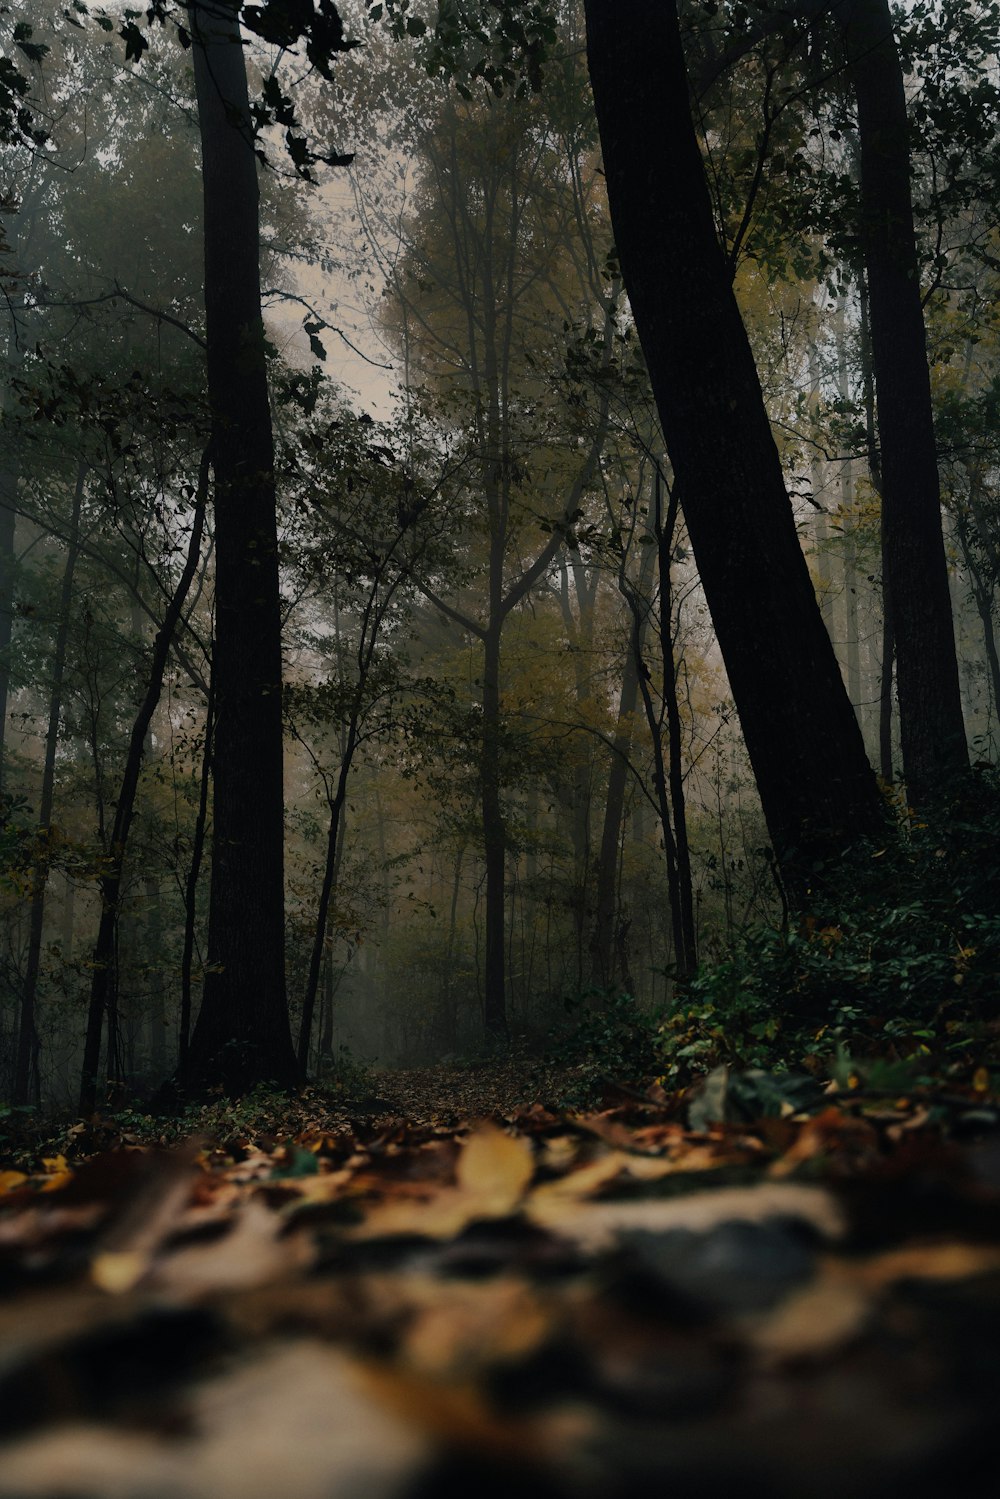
<point>495,1168</point>
<point>493,1172</point>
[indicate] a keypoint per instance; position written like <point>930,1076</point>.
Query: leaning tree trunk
<point>816,787</point>
<point>913,556</point>
<point>242,1035</point>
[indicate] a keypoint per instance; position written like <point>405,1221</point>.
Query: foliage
<point>897,959</point>
<point>614,1042</point>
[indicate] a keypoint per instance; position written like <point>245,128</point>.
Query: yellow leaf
<point>11,1180</point>
<point>495,1168</point>
<point>493,1173</point>
<point>118,1272</point>
<point>57,1173</point>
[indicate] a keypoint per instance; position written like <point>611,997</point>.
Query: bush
<point>902,957</point>
<point>614,1042</point>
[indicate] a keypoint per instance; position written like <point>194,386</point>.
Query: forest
<point>499,721</point>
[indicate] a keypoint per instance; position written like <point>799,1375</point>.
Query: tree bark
<point>816,787</point>
<point>242,1035</point>
<point>913,556</point>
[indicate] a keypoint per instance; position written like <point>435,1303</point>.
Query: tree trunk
<point>852,643</point>
<point>982,593</point>
<point>602,943</point>
<point>816,787</point>
<point>191,891</point>
<point>580,633</point>
<point>26,1080</point>
<point>494,843</point>
<point>334,852</point>
<point>914,563</point>
<point>242,1036</point>
<point>684,942</point>
<point>102,989</point>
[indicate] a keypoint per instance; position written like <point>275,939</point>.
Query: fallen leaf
<point>495,1168</point>
<point>462,1328</point>
<point>252,1253</point>
<point>596,1225</point>
<point>814,1321</point>
<point>951,1261</point>
<point>493,1172</point>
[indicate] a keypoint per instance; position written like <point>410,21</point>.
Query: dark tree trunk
<point>668,781</point>
<point>603,971</point>
<point>684,942</point>
<point>913,557</point>
<point>26,1079</point>
<point>191,889</point>
<point>494,843</point>
<point>816,787</point>
<point>102,989</point>
<point>334,847</point>
<point>242,1036</point>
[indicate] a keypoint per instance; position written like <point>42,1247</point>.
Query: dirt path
<point>449,1094</point>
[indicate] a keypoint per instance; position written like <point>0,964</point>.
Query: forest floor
<point>450,1283</point>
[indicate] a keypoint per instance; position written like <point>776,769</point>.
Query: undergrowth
<point>898,963</point>
<point>893,975</point>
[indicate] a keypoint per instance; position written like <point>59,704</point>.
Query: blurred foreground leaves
<point>594,1304</point>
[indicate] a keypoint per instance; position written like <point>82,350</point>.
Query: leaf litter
<point>593,1304</point>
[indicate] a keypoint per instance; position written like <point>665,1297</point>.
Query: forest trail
<point>450,1093</point>
<point>556,1303</point>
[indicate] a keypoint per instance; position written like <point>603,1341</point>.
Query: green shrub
<point>900,957</point>
<point>614,1041</point>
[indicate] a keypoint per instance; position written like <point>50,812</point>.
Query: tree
<point>111,875</point>
<point>860,42</point>
<point>476,309</point>
<point>913,557</point>
<point>817,789</point>
<point>242,1034</point>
